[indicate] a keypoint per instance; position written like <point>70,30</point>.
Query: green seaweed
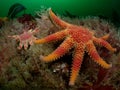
<point>15,9</point>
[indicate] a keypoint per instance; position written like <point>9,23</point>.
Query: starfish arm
<point>57,21</point>
<point>105,37</point>
<point>61,50</point>
<point>31,42</point>
<point>77,61</point>
<point>16,37</point>
<point>52,37</point>
<point>36,30</point>
<point>104,43</point>
<point>20,45</point>
<point>25,45</point>
<point>95,56</point>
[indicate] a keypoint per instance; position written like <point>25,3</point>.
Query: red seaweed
<point>97,84</point>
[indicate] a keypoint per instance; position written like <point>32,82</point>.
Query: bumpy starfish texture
<point>26,38</point>
<point>81,38</point>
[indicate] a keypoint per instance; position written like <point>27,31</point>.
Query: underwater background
<point>77,7</point>
<point>21,67</point>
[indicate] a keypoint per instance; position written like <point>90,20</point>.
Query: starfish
<point>78,37</point>
<point>26,38</point>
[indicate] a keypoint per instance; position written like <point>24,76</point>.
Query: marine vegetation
<point>3,20</point>
<point>15,9</point>
<point>25,68</point>
<point>28,21</point>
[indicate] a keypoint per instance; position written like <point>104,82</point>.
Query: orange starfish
<point>78,37</point>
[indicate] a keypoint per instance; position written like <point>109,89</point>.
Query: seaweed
<point>68,14</point>
<point>15,9</point>
<point>97,84</point>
